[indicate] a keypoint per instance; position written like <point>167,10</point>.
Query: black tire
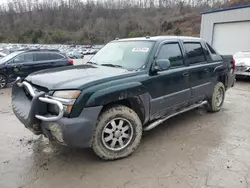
<point>3,81</point>
<point>105,118</point>
<point>213,104</point>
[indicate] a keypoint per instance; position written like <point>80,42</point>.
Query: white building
<point>227,30</point>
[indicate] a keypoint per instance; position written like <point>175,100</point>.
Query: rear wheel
<point>118,133</point>
<point>3,81</point>
<point>215,103</point>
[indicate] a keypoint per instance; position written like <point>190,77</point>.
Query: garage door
<point>229,38</point>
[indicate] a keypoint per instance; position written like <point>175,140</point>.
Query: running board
<point>158,122</point>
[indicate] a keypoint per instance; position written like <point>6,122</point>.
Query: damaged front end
<point>242,69</point>
<point>48,115</point>
<point>30,107</point>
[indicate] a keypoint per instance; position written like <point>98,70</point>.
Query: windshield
<point>9,57</point>
<point>128,54</point>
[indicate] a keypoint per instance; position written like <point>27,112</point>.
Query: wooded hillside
<point>99,21</point>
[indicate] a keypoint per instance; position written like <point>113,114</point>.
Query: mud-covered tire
<point>106,118</point>
<point>3,81</point>
<point>213,104</point>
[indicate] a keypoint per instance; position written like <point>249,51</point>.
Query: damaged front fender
<point>116,93</point>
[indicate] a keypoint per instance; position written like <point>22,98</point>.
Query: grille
<point>37,89</point>
<point>40,88</point>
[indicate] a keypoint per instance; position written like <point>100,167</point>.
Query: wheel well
<point>222,78</point>
<point>133,103</point>
<point>3,75</point>
<point>6,78</point>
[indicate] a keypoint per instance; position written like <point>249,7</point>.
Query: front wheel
<point>118,133</point>
<point>3,81</point>
<point>216,101</point>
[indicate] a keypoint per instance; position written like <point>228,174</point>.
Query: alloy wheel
<point>117,134</point>
<point>2,81</point>
<point>219,97</point>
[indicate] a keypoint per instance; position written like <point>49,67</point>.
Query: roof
<point>157,38</point>
<point>226,9</point>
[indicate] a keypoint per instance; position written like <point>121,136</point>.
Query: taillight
<point>234,66</point>
<point>71,61</point>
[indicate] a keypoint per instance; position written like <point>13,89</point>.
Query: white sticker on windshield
<point>145,49</point>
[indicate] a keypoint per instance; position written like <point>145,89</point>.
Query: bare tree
<point>92,21</point>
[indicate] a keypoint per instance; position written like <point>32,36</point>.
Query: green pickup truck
<point>129,86</point>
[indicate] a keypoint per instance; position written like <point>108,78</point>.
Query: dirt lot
<point>196,149</point>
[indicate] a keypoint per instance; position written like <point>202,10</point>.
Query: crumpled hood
<point>74,77</point>
<point>242,61</point>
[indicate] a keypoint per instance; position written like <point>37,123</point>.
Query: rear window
<point>56,56</point>
<point>42,56</point>
<point>195,52</point>
<point>47,56</point>
<point>212,51</point>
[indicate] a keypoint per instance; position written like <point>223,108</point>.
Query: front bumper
<point>32,112</point>
<point>242,70</point>
<point>238,73</point>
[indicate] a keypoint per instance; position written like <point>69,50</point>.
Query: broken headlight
<point>67,98</point>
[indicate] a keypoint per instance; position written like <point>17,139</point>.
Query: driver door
<point>20,66</point>
<point>169,89</point>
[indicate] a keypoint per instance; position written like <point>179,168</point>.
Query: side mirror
<point>162,64</point>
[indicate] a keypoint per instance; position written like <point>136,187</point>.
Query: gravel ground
<point>196,149</point>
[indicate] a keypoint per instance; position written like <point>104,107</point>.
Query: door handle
<point>185,74</point>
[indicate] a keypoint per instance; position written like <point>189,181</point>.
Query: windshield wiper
<point>112,65</point>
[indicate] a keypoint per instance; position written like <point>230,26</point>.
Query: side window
<point>173,53</point>
<point>23,58</point>
<point>56,56</point>
<point>195,52</point>
<point>42,56</point>
<point>211,49</point>
<point>19,59</point>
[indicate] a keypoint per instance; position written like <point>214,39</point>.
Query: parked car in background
<point>95,50</point>
<point>91,51</point>
<point>84,51</point>
<point>75,54</point>
<point>129,86</point>
<point>74,51</point>
<point>242,62</point>
<point>22,63</point>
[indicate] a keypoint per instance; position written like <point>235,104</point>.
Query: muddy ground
<point>196,149</point>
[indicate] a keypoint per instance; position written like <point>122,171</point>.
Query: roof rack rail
<point>45,50</point>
